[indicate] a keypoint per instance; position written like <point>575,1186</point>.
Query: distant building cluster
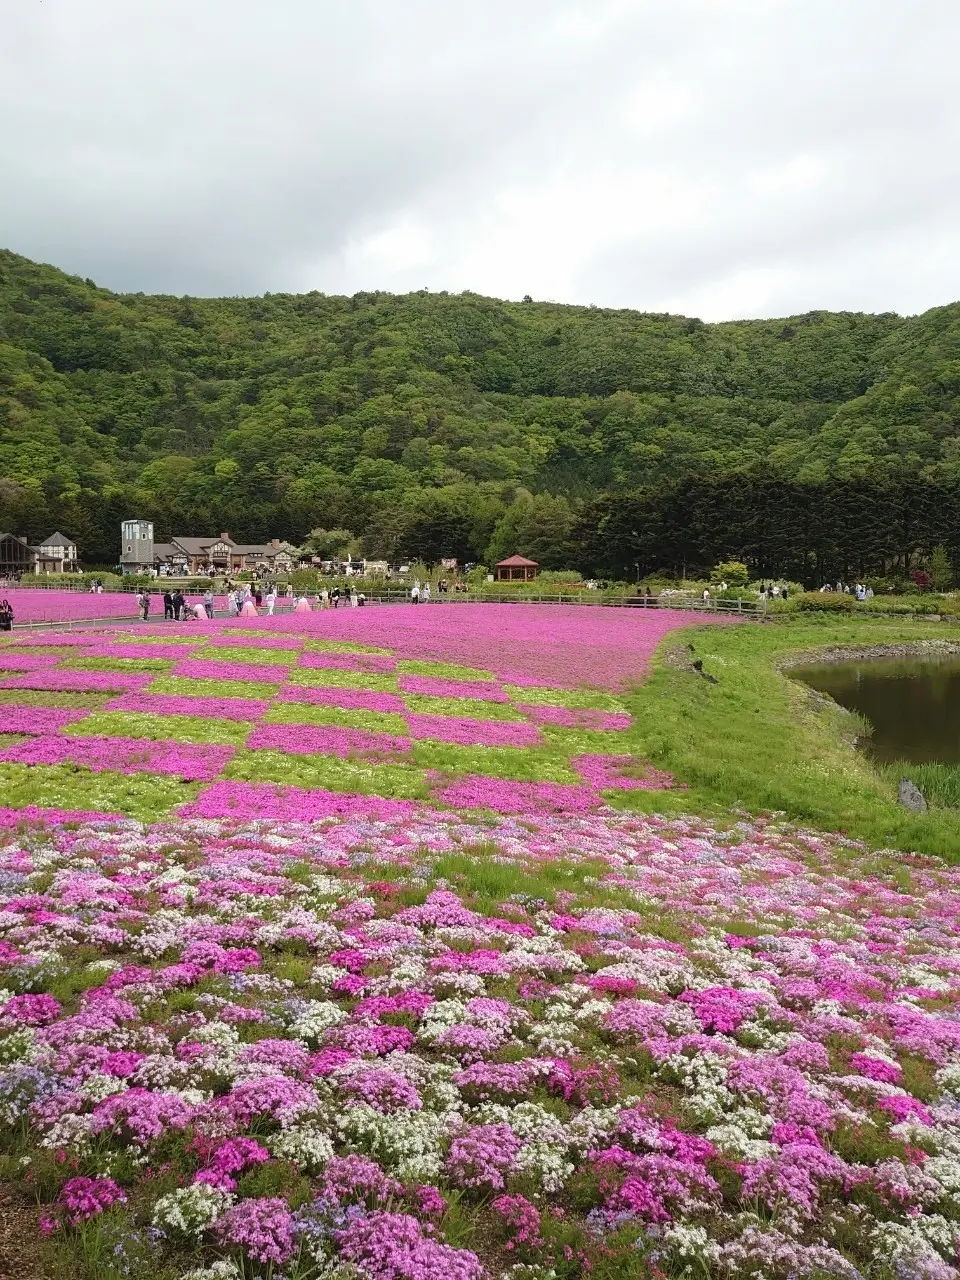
<point>55,554</point>
<point>196,556</point>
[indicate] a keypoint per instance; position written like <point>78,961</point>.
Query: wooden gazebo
<point>517,569</point>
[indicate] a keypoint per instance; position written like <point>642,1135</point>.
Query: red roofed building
<point>517,569</point>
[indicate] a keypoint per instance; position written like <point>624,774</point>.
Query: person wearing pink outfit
<point>249,610</point>
<point>302,605</point>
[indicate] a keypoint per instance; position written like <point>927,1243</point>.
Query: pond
<point>912,703</point>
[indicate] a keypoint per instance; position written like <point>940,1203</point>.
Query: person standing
<point>208,602</point>
<point>415,593</point>
<point>144,601</point>
<point>271,599</point>
<point>167,607</point>
<point>425,593</point>
<point>335,597</point>
<point>6,615</point>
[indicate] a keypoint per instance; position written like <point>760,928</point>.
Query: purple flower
<point>393,1246</point>
<point>483,1156</point>
<point>262,1228</point>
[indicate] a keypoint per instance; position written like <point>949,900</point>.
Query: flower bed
<point>433,1046</point>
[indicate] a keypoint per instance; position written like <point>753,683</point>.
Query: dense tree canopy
<point>435,424</point>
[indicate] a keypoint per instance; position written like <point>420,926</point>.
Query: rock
<point>911,797</point>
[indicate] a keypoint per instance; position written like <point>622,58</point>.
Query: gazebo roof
<point>517,562</point>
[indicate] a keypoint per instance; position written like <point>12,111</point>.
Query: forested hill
<point>431,420</point>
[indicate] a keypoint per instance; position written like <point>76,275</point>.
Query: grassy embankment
<point>759,741</point>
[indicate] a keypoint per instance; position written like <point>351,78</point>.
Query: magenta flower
<point>475,792</point>
<point>162,704</point>
<point>196,668</point>
<point>85,1198</point>
<point>30,1011</point>
<point>263,800</point>
<point>348,699</point>
<point>302,739</point>
<point>479,733</point>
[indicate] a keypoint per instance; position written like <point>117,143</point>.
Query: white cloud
<point>723,157</point>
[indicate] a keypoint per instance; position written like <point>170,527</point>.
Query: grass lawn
<point>759,741</point>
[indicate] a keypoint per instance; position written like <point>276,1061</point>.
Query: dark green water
<point>913,704</point>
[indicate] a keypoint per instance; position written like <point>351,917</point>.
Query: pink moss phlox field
<point>475,792</point>
<point>346,699</point>
<point>302,739</point>
<point>740,1046</point>
<point>375,662</point>
<point>56,681</point>
<point>442,688</point>
<point>171,704</point>
<point>40,720</point>
<point>576,717</point>
<point>132,649</point>
<point>124,755</point>
<point>265,800</point>
<point>535,645</point>
<point>196,668</point>
<point>469,732</point>
<point>26,661</point>
<point>606,773</point>
<point>68,606</point>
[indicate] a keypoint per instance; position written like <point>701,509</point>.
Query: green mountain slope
<point>429,420</point>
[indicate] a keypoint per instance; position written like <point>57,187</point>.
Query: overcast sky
<point>721,158</point>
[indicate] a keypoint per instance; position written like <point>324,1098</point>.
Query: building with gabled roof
<point>517,569</point>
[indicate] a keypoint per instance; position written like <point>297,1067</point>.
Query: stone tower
<point>136,546</point>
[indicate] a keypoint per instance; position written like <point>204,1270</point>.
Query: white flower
<point>313,1020</point>
<point>190,1211</point>
<point>308,1148</point>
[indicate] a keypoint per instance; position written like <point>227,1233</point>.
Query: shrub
<point>826,602</point>
<point>941,570</point>
<point>734,572</point>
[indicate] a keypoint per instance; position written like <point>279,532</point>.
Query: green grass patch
<point>332,678</point>
<point>331,773</point>
<point>577,742</point>
<point>135,637</point>
<point>343,646</point>
<point>65,786</point>
<point>519,764</point>
<point>443,671</point>
<point>132,724</point>
<point>52,698</point>
<point>473,708</point>
<point>536,696</point>
<point>940,783</point>
<point>275,657</point>
<point>13,739</point>
<point>307,713</point>
<point>201,687</point>
<point>759,741</point>
<point>116,664</point>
